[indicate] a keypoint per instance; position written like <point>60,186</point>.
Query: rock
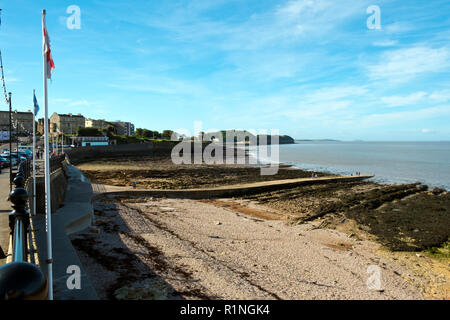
<point>418,255</point>
<point>94,230</point>
<point>217,223</point>
<point>154,290</point>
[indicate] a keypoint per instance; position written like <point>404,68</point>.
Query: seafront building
<point>91,141</point>
<point>66,123</point>
<point>124,128</point>
<point>100,124</point>
<point>23,120</point>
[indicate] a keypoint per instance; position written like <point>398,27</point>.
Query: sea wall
<point>58,186</point>
<point>83,154</point>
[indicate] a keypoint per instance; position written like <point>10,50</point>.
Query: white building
<point>93,141</point>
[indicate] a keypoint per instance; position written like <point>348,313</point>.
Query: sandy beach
<point>406,226</point>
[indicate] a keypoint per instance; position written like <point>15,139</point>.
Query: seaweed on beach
<point>401,217</point>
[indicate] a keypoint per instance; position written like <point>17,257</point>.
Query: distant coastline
<point>316,140</point>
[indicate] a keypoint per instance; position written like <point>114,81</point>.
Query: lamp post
<point>10,143</point>
<point>16,127</point>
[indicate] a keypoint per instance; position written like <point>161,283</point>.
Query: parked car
<point>27,151</point>
<point>25,155</point>
<point>19,157</point>
<point>14,160</point>
<point>4,163</point>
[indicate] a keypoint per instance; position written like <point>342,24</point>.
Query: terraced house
<point>67,123</point>
<point>21,121</point>
<point>99,124</point>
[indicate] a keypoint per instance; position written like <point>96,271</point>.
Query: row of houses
<point>66,123</point>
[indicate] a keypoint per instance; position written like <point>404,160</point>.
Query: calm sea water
<point>390,162</point>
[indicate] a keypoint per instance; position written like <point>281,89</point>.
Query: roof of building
<point>71,115</point>
<point>15,111</point>
<point>68,115</point>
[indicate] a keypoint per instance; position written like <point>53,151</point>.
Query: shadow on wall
<point>58,191</point>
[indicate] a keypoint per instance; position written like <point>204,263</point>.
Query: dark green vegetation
<point>442,251</point>
<point>146,134</point>
<point>89,132</point>
<point>401,217</point>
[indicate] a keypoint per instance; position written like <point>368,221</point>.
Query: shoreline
<point>409,167</point>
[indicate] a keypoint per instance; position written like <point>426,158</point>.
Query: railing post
<point>20,279</point>
<point>19,218</point>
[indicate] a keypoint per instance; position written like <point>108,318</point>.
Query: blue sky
<point>312,69</point>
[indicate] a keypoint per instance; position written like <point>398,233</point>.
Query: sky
<point>310,69</point>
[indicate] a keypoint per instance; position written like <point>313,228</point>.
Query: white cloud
<point>401,101</point>
<point>293,9</point>
<point>398,27</point>
<point>134,80</point>
<point>440,96</point>
<point>12,80</point>
<point>395,118</point>
<point>405,64</point>
<point>417,97</point>
<point>385,43</point>
<point>79,103</point>
<point>336,93</point>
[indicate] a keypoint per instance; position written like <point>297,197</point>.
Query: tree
<point>139,132</point>
<point>88,132</point>
<point>147,134</point>
<point>156,135</point>
<point>167,134</point>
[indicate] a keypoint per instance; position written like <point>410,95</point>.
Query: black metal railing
<point>56,162</point>
<point>26,166</point>
<point>20,279</point>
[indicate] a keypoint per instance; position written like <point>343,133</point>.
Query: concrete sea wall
<point>58,186</point>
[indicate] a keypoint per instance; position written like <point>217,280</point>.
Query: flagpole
<point>34,156</point>
<point>56,142</point>
<point>48,208</point>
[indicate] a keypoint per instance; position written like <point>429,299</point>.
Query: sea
<point>389,162</point>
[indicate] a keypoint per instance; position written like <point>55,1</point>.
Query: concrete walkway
<point>74,216</point>
<point>5,208</point>
<point>223,191</point>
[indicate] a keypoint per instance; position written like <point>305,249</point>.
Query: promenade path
<point>5,208</point>
<point>222,191</point>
